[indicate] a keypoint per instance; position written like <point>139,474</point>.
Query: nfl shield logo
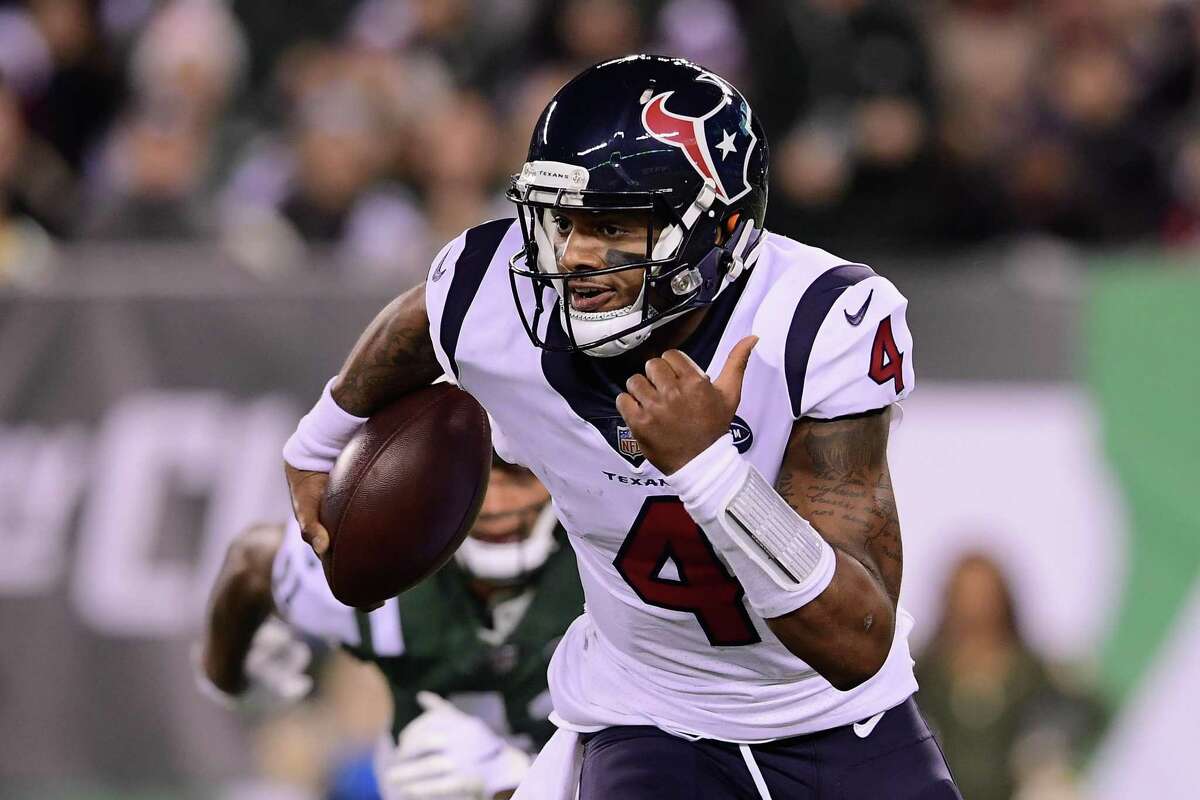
<point>627,444</point>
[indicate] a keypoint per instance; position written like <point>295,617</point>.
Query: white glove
<point>274,668</point>
<point>445,754</point>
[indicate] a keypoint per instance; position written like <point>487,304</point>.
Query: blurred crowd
<point>371,131</point>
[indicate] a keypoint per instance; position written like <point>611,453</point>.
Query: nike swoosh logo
<point>856,319</point>
<point>863,729</point>
<point>440,269</point>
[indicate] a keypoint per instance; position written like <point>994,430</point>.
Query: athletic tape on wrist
<point>780,559</point>
<point>321,435</point>
<point>792,546</point>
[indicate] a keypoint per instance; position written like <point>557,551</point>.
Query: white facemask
<point>508,561</point>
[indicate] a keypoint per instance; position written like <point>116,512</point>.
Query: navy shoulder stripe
<point>479,246</point>
<point>810,312</point>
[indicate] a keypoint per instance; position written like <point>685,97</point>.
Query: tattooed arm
<point>835,475</point>
<point>393,356</point>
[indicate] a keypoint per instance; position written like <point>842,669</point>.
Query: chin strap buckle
<point>686,281</point>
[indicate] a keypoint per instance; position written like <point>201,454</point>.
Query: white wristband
<point>321,435</point>
<point>780,559</point>
<point>709,481</point>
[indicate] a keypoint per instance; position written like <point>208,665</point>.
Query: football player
<point>709,405</point>
<point>479,633</point>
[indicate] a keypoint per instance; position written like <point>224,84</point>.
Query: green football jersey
<point>435,637</point>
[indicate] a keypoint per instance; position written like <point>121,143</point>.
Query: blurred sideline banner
<point>1016,473</point>
<point>143,405</point>
<point>144,401</point>
<point>1143,333</point>
<point>1143,346</point>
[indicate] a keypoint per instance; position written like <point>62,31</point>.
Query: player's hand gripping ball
<point>404,493</point>
<point>674,410</point>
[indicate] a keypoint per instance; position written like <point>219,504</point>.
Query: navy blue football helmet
<point>661,137</point>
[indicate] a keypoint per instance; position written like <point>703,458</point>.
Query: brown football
<point>404,493</point>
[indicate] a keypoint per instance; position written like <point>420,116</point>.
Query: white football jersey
<point>667,638</point>
<point>303,599</point>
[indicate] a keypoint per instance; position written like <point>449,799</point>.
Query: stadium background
<point>201,203</point>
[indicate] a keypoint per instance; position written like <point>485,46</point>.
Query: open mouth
<point>591,297</point>
<point>518,534</point>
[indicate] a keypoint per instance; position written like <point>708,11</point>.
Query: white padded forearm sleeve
<point>321,435</point>
<point>780,559</point>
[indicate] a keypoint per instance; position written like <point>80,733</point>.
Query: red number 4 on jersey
<point>664,530</point>
<point>887,362</point>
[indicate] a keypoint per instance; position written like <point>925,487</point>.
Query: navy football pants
<point>897,760</point>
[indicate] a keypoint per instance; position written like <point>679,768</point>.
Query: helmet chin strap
<point>510,562</point>
<point>592,326</point>
<point>595,325</point>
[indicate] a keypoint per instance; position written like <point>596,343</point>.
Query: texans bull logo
<point>694,136</point>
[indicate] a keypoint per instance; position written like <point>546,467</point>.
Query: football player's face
<point>511,506</point>
<point>585,241</point>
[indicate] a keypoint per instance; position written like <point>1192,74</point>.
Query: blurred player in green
<point>465,653</point>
